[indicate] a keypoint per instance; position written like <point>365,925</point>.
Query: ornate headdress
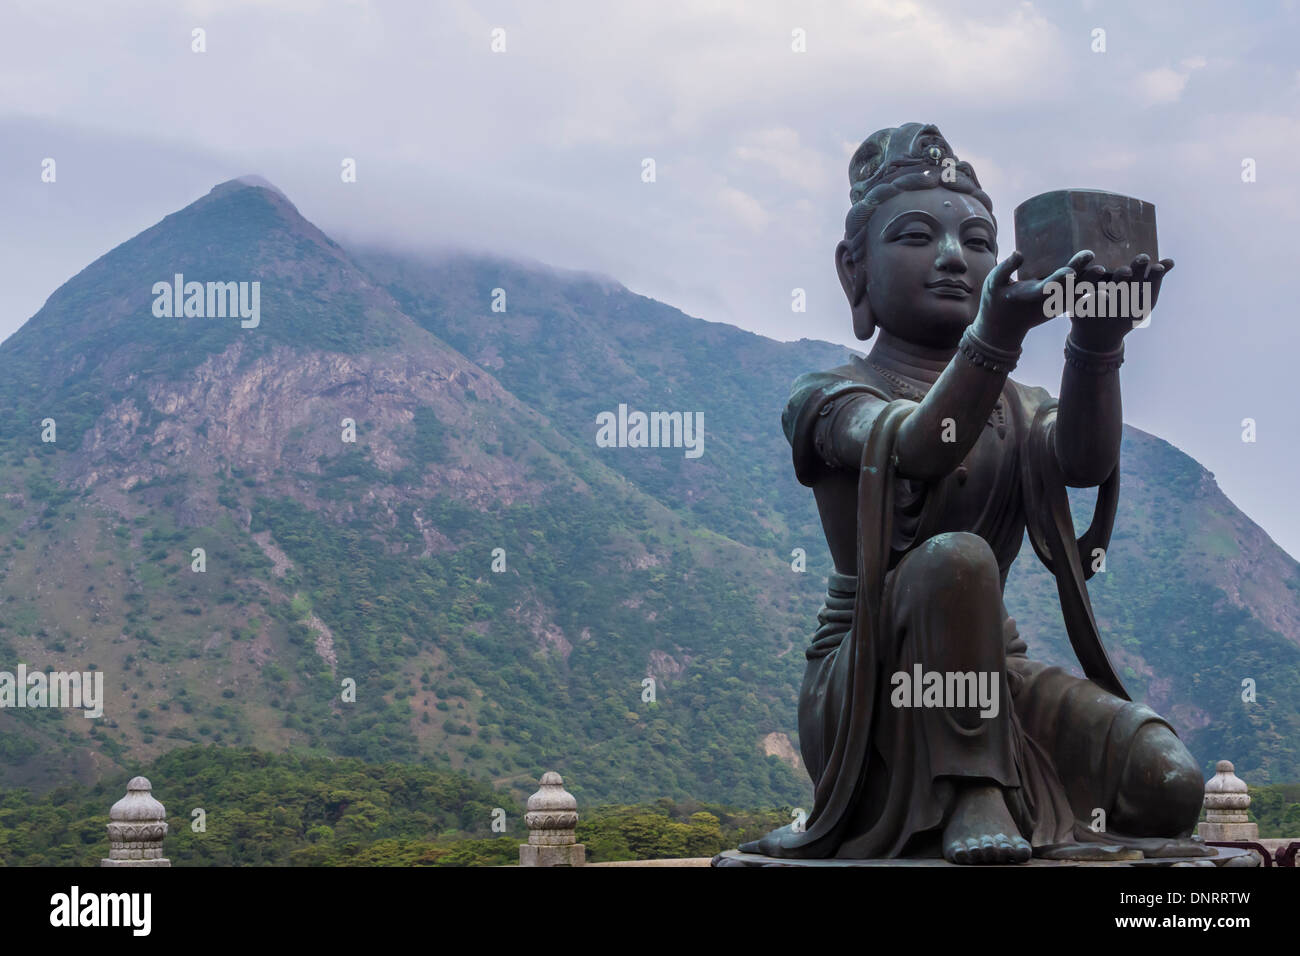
<point>911,156</point>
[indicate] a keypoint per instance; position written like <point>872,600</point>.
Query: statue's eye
<point>979,242</point>
<point>914,235</point>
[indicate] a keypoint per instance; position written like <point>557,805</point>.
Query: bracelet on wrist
<point>981,354</point>
<point>1094,363</point>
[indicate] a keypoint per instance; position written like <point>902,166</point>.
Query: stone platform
<point>1223,856</point>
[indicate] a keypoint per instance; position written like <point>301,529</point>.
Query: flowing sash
<point>1051,532</point>
<point>842,781</point>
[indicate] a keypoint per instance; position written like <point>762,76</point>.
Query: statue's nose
<point>950,257</point>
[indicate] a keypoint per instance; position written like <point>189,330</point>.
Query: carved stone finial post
<point>136,829</point>
<point>1226,802</point>
<point>552,818</point>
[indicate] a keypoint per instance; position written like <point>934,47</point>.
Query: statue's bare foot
<point>980,829</point>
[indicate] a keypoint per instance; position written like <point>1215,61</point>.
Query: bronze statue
<point>928,464</point>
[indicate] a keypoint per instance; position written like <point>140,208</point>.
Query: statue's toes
<point>1012,849</point>
<point>957,852</point>
<point>988,851</point>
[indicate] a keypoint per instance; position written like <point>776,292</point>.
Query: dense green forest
<point>264,809</point>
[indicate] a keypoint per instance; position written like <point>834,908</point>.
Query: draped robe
<point>881,774</point>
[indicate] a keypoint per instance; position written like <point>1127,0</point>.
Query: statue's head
<point>918,240</point>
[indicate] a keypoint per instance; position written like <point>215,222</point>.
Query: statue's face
<point>928,252</point>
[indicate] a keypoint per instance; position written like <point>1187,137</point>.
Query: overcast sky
<point>538,151</point>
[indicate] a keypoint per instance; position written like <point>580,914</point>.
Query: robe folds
<point>882,774</point>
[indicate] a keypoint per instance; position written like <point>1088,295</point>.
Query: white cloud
<point>779,149</point>
<point>1165,85</point>
<point>1113,160</point>
<point>744,208</point>
<point>1162,85</point>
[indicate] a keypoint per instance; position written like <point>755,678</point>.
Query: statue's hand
<point>1104,333</point>
<point>1008,310</point>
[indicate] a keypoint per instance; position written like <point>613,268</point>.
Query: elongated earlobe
<point>864,324</point>
<point>852,281</point>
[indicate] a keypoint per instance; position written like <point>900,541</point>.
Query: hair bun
<point>889,153</point>
<point>916,156</point>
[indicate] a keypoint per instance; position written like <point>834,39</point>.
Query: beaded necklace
<point>904,389</point>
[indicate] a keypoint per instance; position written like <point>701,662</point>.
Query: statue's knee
<point>957,557</point>
<point>1162,790</point>
<point>948,597</point>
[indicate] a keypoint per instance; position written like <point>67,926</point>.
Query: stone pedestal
<point>136,829</point>
<point>1220,857</point>
<point>1226,802</point>
<point>574,854</point>
<point>552,818</point>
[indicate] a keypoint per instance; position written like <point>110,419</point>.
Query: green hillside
<point>330,561</point>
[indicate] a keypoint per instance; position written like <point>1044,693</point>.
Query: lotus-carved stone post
<point>1226,803</point>
<point>137,825</point>
<point>552,820</point>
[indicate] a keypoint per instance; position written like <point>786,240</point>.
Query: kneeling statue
<point>926,727</point>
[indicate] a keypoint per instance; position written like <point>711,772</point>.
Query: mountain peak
<point>243,231</point>
<point>251,180</point>
<point>241,184</point>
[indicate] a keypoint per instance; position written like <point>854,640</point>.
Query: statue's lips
<point>949,288</point>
